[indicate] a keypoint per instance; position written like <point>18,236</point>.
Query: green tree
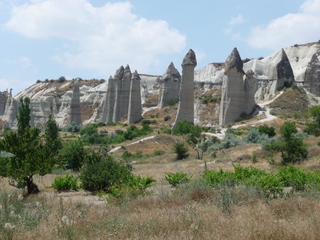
<point>72,155</point>
<point>24,115</point>
<point>53,141</point>
<point>292,147</point>
<point>313,128</point>
<point>23,154</point>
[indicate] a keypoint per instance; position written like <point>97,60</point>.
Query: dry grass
<point>190,214</point>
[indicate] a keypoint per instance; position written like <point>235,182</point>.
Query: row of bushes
<point>271,184</point>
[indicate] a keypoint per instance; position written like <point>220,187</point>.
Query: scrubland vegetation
<point>105,182</point>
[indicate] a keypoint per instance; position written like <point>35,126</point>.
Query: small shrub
<point>177,178</point>
<point>73,127</point>
<point>239,119</point>
<point>167,118</point>
<point>172,102</point>
<point>181,150</point>
<point>69,182</point>
<point>158,152</point>
<point>270,131</point>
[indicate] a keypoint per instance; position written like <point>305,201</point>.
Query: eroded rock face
<point>74,113</point>
<point>118,94</point>
<point>135,107</point>
<point>186,93</point>
<point>169,86</point>
<point>284,71</point>
<point>312,76</point>
<point>237,92</point>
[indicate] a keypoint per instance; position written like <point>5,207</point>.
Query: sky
<point>47,39</point>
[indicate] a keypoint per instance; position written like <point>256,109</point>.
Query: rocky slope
<point>270,73</point>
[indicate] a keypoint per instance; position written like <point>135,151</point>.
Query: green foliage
<point>271,183</point>
<point>24,115</point>
<point>239,119</point>
<point>89,130</point>
<point>292,147</point>
<point>72,155</point>
<point>172,102</point>
<point>313,128</point>
<point>101,172</point>
<point>167,118</point>
<point>177,178</point>
<point>69,182</point>
<point>184,128</point>
<point>53,141</point>
<point>25,155</point>
<point>255,136</point>
<point>158,152</point>
<point>181,150</point>
<point>73,127</point>
<point>270,131</point>
<point>135,186</point>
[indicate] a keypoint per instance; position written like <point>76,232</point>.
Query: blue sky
<point>92,38</point>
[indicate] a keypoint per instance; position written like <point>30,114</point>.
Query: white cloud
<point>105,37</point>
<point>290,29</point>
<point>236,20</point>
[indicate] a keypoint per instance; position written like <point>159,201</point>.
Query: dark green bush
<point>184,128</point>
<point>166,118</point>
<point>101,172</point>
<point>270,131</point>
<point>181,150</point>
<point>172,102</point>
<point>158,152</point>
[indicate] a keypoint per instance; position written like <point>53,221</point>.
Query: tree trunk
<point>32,188</point>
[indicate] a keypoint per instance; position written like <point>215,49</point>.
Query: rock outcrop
<point>237,92</point>
<point>135,107</point>
<point>118,94</point>
<point>312,76</point>
<point>169,86</point>
<point>186,93</point>
<point>74,113</point>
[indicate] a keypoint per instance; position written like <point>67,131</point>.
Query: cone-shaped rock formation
<point>186,93</point>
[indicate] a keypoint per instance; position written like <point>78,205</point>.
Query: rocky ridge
<point>261,80</point>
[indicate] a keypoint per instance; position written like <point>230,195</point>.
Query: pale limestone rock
<point>135,107</point>
<point>170,85</point>
<point>74,112</point>
<point>186,93</point>
<point>126,80</point>
<point>312,76</point>
<point>110,100</point>
<point>118,94</point>
<point>233,93</point>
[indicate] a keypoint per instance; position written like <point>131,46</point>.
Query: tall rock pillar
<point>126,80</point>
<point>135,107</point>
<point>74,113</point>
<point>170,86</point>
<point>186,94</point>
<point>118,94</point>
<point>233,94</point>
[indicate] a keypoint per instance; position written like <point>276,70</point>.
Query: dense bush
<point>69,182</point>
<point>313,128</point>
<point>184,128</point>
<point>270,131</point>
<point>101,172</point>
